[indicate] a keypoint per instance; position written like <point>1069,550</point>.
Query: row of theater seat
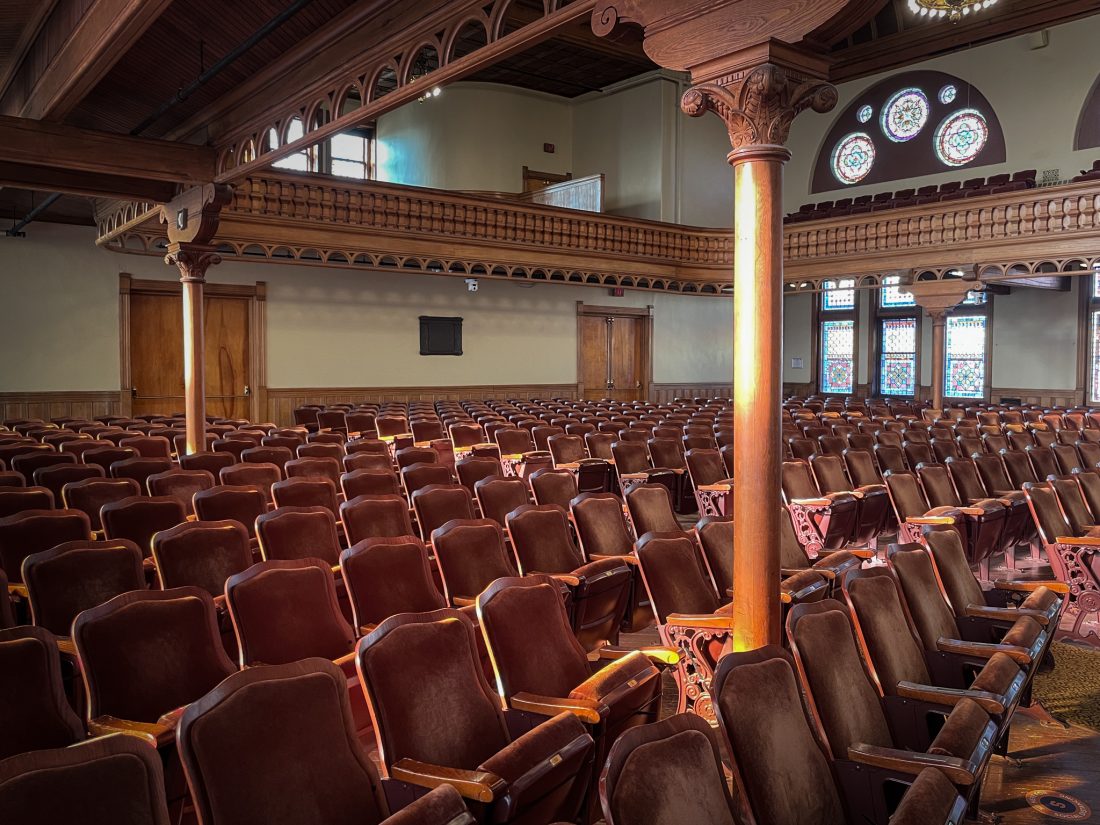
<point>1089,174</point>
<point>660,556</point>
<point>952,190</point>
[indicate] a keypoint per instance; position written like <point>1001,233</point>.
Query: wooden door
<point>613,356</point>
<point>156,354</point>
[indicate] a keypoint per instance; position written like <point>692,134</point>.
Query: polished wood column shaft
<point>938,334</point>
<point>193,260</point>
<point>757,391</point>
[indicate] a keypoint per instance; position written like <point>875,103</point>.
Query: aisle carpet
<point>1071,690</point>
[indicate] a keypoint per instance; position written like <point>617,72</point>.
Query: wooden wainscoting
<point>1045,397</point>
<point>281,401</point>
<point>47,405</point>
<point>666,393</point>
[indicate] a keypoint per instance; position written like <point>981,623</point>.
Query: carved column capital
<point>758,105</point>
<point>192,260</point>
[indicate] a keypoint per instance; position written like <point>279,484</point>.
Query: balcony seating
<point>413,660</point>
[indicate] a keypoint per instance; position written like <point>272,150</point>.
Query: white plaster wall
<point>798,334</point>
<point>331,327</point>
<point>1037,95</point>
<point>1035,338</point>
<point>475,136</point>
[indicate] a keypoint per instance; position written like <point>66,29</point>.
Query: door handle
<point>133,392</point>
<point>247,391</point>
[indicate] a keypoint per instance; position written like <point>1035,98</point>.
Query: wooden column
<point>193,260</point>
<point>757,102</point>
<point>936,298</point>
<point>192,219</point>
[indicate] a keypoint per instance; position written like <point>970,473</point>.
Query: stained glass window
<point>839,294</point>
<point>905,114</point>
<point>853,158</point>
<point>964,367</point>
<point>865,113</point>
<point>948,94</point>
<point>1094,381</point>
<point>898,361</point>
<point>890,296</point>
<point>961,137</point>
<point>1096,286</point>
<point>838,341</point>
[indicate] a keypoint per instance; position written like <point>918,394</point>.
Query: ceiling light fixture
<point>953,10</point>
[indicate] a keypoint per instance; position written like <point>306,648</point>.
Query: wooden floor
<point>1051,758</point>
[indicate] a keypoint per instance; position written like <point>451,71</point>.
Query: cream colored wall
<point>1037,95</point>
<point>331,327</point>
<point>475,136</point>
<point>798,335</point>
<point>1035,338</point>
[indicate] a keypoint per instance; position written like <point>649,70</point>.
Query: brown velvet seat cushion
<point>849,707</point>
<point>1040,599</point>
<point>106,781</point>
<point>1023,632</point>
<point>998,675</point>
<point>276,744</point>
<point>896,655</point>
<point>784,772</point>
<point>671,781</point>
<point>930,799</point>
<point>627,684</point>
<point>34,713</point>
<point>962,588</point>
<point>931,614</point>
<point>962,732</point>
<point>441,806</point>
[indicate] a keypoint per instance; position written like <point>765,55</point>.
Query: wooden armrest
<point>569,465</point>
<point>910,762</point>
<point>811,502</point>
<point>702,621</point>
<point>18,590</point>
<point>982,650</point>
<point>462,601</point>
<point>1030,586</point>
<point>586,711</point>
<point>346,659</point>
<point>635,476</point>
<point>930,520</point>
<point>629,559</point>
<point>480,786</point>
<point>858,552</point>
<point>565,578</point>
<point>66,646</point>
<point>513,457</point>
<point>664,656</point>
<point>990,702</point>
<point>720,487</point>
<point>972,511</point>
<point>1003,614</point>
<point>156,734</point>
<point>1074,541</point>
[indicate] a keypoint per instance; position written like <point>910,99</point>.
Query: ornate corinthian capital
<point>759,104</point>
<point>192,260</point>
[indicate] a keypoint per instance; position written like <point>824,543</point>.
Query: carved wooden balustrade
<point>322,221</point>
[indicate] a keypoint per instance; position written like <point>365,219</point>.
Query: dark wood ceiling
<point>190,37</point>
<point>16,203</point>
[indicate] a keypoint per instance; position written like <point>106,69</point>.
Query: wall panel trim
<point>58,404</point>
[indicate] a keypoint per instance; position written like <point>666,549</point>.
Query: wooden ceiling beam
<point>104,33</point>
<point>30,31</point>
<point>49,156</point>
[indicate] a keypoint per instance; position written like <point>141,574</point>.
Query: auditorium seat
<point>105,781</point>
<point>473,469</point>
<point>470,554</point>
<point>76,575</point>
<point>421,476</point>
<point>369,482</point>
<point>292,533</point>
<point>987,525</point>
<point>33,531</point>
<point>378,462</point>
<point>278,456</point>
<point>319,468</point>
<point>387,575</point>
<point>201,554</point>
<point>306,492</point>
<point>550,486</point>
<point>28,463</point>
<point>243,504</point>
<point>873,499</point>
<point>139,518</point>
<point>497,497</point>
<point>600,589</point>
<point>35,713</point>
<point>407,456</point>
<point>234,779</point>
<point>857,720</point>
<point>437,504</point>
<point>211,462</point>
<point>970,485</point>
<point>650,509</point>
<point>15,500</point>
<point>137,688</point>
<point>375,516</point>
<point>409,661</point>
<point>149,446</point>
<point>756,693</point>
<point>260,476</point>
<point>541,668</point>
<point>822,521</point>
<point>180,485</point>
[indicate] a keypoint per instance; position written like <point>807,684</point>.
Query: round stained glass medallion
<point>905,114</point>
<point>961,137</point>
<point>853,158</point>
<point>864,113</point>
<point>948,94</point>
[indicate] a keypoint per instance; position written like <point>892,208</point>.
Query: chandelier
<point>953,10</point>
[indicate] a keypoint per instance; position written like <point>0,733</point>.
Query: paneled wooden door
<point>156,354</point>
<point>613,352</point>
